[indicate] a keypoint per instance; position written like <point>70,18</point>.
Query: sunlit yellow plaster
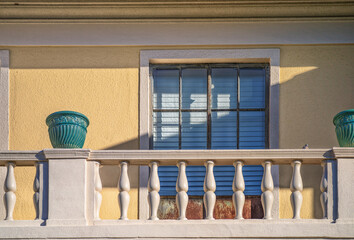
<point>110,209</point>
<point>24,208</point>
<point>306,208</point>
<point>106,96</point>
<point>288,73</point>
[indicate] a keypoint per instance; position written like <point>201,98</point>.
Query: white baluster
<point>10,189</point>
<point>238,186</point>
<point>296,189</point>
<point>182,189</point>
<point>36,187</point>
<point>209,189</point>
<point>323,187</point>
<point>98,190</point>
<point>124,188</point>
<point>153,188</point>
<point>267,197</point>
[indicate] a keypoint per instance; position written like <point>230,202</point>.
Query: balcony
<point>67,194</point>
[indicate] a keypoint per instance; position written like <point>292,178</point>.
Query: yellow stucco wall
<point>103,82</point>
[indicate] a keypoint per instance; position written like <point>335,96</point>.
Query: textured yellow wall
<point>316,82</point>
<point>102,82</point>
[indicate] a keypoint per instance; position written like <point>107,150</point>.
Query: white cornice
<point>47,11</point>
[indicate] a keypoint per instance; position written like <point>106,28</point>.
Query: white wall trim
<point>4,117</point>
<point>207,55</point>
<point>176,33</point>
<point>4,99</point>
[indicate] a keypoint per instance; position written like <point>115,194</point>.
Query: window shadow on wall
<point>308,102</point>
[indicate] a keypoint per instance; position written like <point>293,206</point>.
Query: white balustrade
<point>267,186</point>
<point>296,189</point>
<point>10,189</point>
<point>36,187</point>
<point>238,186</point>
<point>124,188</point>
<point>209,189</point>
<point>182,189</point>
<point>323,187</point>
<point>153,188</point>
<point>98,190</point>
<point>60,202</point>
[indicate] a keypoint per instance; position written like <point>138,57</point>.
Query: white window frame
<point>147,57</point>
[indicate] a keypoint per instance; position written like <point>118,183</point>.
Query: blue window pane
<point>224,130</point>
<point>165,130</point>
<point>224,88</point>
<point>166,85</point>
<point>194,88</point>
<point>194,130</point>
<point>252,88</point>
<point>252,130</point>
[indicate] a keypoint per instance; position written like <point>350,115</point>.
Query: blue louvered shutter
<point>166,120</point>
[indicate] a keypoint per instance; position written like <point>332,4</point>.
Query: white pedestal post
<point>68,182</point>
<point>345,186</point>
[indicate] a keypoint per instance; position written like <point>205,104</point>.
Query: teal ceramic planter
<point>67,129</point>
<point>344,122</point>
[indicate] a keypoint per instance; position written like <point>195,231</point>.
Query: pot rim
<point>350,111</point>
<point>66,112</point>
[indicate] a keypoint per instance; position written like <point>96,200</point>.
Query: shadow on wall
<point>309,101</point>
<point>110,174</point>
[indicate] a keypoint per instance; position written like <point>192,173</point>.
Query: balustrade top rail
<point>21,158</point>
<point>221,157</point>
<point>171,157</point>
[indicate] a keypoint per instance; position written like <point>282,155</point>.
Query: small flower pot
<point>67,129</point>
<point>344,122</point>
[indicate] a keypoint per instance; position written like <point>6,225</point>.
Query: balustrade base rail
<point>194,229</point>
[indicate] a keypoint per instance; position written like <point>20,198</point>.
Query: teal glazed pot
<point>344,122</point>
<point>67,129</point>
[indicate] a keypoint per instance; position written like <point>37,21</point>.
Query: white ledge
<point>171,157</point>
<point>204,229</point>
<point>66,153</point>
<point>221,157</point>
<point>343,152</point>
<point>21,158</point>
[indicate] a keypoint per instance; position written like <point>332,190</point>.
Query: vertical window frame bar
<point>209,107</point>
<point>238,108</point>
<point>151,106</point>
<point>266,110</point>
<point>180,109</point>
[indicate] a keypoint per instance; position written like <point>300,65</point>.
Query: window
<point>150,58</point>
<point>210,106</point>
